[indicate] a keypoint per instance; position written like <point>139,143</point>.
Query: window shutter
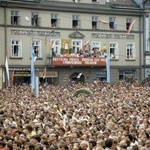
<point>134,53</point>
<point>117,52</point>
<point>53,16</point>
<point>12,20</point>
<point>58,22</point>
<point>12,50</point>
<point>79,24</point>
<point>75,17</point>
<point>38,21</point>
<point>98,25</point>
<point>19,51</point>
<point>12,13</point>
<point>111,19</point>
<point>16,13</point>
<point>19,19</point>
<point>93,18</point>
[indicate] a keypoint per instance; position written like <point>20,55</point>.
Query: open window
<point>37,48</point>
<point>130,51</point>
<point>113,48</point>
<point>112,22</point>
<point>15,18</point>
<point>35,19</point>
<point>16,50</point>
<point>128,22</point>
<point>75,21</point>
<point>95,24</point>
<point>54,20</point>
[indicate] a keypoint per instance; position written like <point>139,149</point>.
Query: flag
<point>104,22</point>
<point>7,70</point>
<point>131,25</point>
<point>44,73</point>
<point>108,67</point>
<point>86,46</point>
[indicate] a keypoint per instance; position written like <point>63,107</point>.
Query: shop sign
<point>50,74</point>
<point>78,61</point>
<point>25,73</point>
<point>101,74</point>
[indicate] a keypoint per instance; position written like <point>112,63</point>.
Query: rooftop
<point>123,3</point>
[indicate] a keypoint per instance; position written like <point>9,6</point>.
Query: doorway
<point>77,77</point>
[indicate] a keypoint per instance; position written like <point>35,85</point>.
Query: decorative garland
<point>83,90</point>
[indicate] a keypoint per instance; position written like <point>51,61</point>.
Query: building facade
<point>71,39</point>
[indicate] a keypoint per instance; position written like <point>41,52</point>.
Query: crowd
<point>117,117</point>
<point>94,53</point>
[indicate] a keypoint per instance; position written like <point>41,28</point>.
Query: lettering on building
<point>35,33</point>
<point>112,36</point>
<point>78,61</point>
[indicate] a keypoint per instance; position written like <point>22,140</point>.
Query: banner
<point>78,61</point>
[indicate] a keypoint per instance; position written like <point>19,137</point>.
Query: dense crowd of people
<point>117,117</point>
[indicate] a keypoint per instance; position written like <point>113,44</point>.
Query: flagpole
<point>32,73</point>
<point>7,71</point>
<point>108,67</point>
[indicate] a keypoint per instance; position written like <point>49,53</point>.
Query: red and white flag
<point>104,22</point>
<point>44,73</point>
<point>86,45</point>
<point>7,70</point>
<point>131,25</point>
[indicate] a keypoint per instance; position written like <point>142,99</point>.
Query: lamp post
<point>32,76</point>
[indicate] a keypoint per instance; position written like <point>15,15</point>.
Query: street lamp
<point>32,76</point>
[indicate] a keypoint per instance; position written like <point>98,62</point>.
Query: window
<point>113,48</point>
<point>16,49</point>
<point>147,62</point>
<point>128,22</point>
<point>76,45</point>
<point>54,20</point>
<point>96,45</point>
<point>95,1</point>
<point>113,23</point>
<point>75,21</point>
<point>35,19</point>
<point>130,51</point>
<point>37,48</point>
<point>129,76</point>
<point>15,18</point>
<point>95,22</point>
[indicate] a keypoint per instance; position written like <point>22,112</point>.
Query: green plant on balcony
<point>62,50</point>
<point>71,50</point>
